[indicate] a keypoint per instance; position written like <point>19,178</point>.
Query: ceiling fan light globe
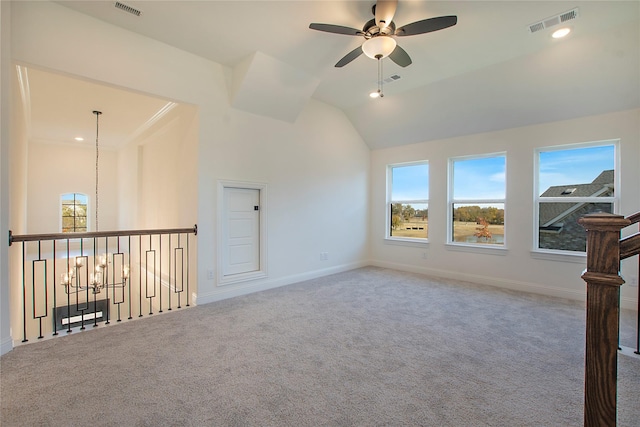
<point>379,47</point>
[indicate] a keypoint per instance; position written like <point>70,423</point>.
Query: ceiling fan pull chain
<point>380,77</point>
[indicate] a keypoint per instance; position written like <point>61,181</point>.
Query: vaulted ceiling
<point>486,73</point>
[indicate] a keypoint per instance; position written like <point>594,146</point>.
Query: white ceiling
<point>486,73</point>
<point>60,109</point>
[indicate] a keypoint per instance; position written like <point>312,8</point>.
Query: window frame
<point>389,201</point>
<point>564,254</point>
<point>61,207</point>
<point>495,248</point>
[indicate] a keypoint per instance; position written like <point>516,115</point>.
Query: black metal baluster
<point>35,315</point>
<point>24,296</point>
<point>154,275</point>
<point>169,288</point>
<point>638,314</point>
<point>106,277</point>
<point>79,283</point>
<point>68,290</point>
<point>130,277</point>
<point>188,262</point>
<point>113,294</point>
<point>95,295</point>
<point>181,274</point>
<point>160,288</point>
<point>146,271</point>
<point>55,306</point>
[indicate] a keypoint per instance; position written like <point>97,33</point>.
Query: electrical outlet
<point>424,255</point>
<point>633,282</point>
<point>209,274</point>
<point>324,256</point>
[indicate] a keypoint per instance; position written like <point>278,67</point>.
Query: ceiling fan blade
<point>385,9</point>
<point>427,25</point>
<point>336,29</point>
<point>400,57</point>
<point>349,57</point>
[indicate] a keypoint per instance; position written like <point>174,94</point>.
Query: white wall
<point>316,169</point>
<point>167,183</point>
<point>55,169</point>
<point>517,268</point>
<point>5,104</point>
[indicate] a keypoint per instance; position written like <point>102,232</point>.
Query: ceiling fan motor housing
<point>370,29</point>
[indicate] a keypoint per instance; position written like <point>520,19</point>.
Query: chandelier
<point>76,279</point>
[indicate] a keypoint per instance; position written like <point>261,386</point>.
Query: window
<point>74,212</point>
<point>408,201</point>
<point>476,200</point>
<point>572,182</point>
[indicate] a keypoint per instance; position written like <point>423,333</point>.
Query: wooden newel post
<point>603,301</point>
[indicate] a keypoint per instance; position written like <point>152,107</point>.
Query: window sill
<point>416,243</point>
<point>561,256</point>
<point>492,250</point>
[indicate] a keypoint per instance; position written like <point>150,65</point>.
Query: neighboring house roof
<point>605,178</point>
<point>551,213</point>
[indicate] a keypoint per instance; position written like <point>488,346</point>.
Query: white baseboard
<point>6,345</point>
<point>230,291</point>
<point>536,288</point>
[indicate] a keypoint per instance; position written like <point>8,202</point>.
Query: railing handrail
<point>92,234</point>
<point>630,246</point>
<point>635,218</point>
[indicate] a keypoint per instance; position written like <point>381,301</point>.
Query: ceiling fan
<point>379,33</point>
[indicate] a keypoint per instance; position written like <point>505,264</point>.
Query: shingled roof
<point>551,213</point>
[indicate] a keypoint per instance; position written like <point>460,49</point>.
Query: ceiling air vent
<point>128,9</point>
<point>391,78</point>
<point>554,20</point>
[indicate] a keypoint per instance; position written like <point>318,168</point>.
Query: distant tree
<point>482,231</point>
<point>396,221</point>
<point>422,213</point>
<point>467,213</point>
<point>408,212</point>
<point>490,214</point>
<point>396,215</point>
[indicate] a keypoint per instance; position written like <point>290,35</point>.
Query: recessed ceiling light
<point>560,33</point>
<point>79,138</point>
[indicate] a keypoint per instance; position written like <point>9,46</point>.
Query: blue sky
<point>411,182</point>
<point>484,178</point>
<point>574,166</point>
<point>481,178</point>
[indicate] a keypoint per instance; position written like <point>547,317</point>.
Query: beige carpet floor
<point>368,347</point>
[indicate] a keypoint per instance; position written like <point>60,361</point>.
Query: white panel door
<point>241,251</point>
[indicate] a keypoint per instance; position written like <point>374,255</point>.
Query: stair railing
<point>629,246</point>
<point>73,280</point>
<point>605,250</point>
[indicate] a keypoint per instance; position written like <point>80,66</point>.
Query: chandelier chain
<point>97,113</point>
